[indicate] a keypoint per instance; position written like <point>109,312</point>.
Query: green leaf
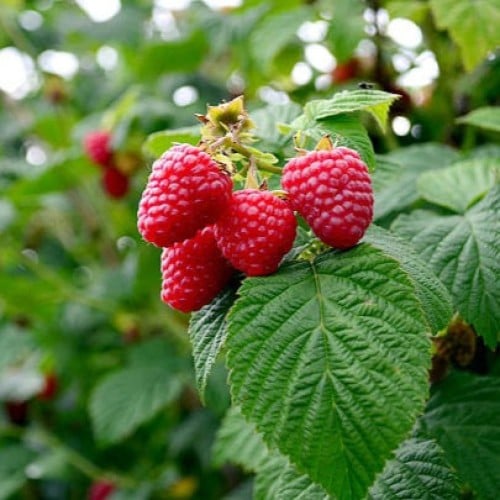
<point>346,27</point>
<point>464,251</point>
<point>329,359</point>
<point>462,416</point>
<point>459,186</point>
<point>487,118</point>
<point>409,9</point>
<point>13,461</point>
<point>128,398</point>
<point>239,442</point>
<point>345,130</point>
<point>395,178</point>
<point>269,118</point>
<point>473,25</point>
<point>156,144</point>
<point>207,332</point>
<point>419,470</point>
<point>273,33</point>
<point>375,102</point>
<point>433,296</point>
<point>173,57</point>
<point>15,345</point>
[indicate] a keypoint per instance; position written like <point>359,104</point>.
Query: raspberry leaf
<point>463,251</point>
<point>459,186</point>
<point>207,332</point>
<point>462,416</point>
<point>157,143</point>
<point>329,359</point>
<point>433,296</point>
<point>375,102</point>
<point>419,470</point>
<point>487,118</point>
<point>472,25</point>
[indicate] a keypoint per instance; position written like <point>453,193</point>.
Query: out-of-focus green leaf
<point>409,9</point>
<point>459,186</point>
<point>156,144</point>
<point>473,25</point>
<point>487,118</point>
<point>13,461</point>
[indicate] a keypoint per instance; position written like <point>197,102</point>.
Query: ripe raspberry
<point>97,146</point>
<point>256,231</point>
<point>332,190</point>
<point>50,386</point>
<point>115,183</point>
<point>194,272</point>
<point>100,490</point>
<point>186,191</point>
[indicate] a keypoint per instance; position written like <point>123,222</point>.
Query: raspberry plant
<point>341,335</point>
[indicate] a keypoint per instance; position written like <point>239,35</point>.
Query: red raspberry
<point>114,182</point>
<point>194,272</point>
<point>256,231</point>
<point>97,146</point>
<point>100,490</point>
<point>186,191</point>
<point>50,386</point>
<point>332,190</point>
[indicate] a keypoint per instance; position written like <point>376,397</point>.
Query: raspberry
<point>332,190</point>
<point>256,231</point>
<point>100,490</point>
<point>50,386</point>
<point>186,191</point>
<point>194,272</point>
<point>97,146</point>
<point>115,183</point>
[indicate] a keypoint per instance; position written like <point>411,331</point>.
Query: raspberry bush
<point>249,251</point>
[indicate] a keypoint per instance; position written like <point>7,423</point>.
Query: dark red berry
<point>345,71</point>
<point>115,183</point>
<point>17,412</point>
<point>194,272</point>
<point>100,490</point>
<point>256,231</point>
<point>98,148</point>
<point>50,386</point>
<point>332,190</point>
<point>186,191</point>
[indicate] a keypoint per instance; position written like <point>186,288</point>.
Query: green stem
<point>261,164</point>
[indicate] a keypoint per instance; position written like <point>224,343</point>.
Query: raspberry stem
<point>261,164</point>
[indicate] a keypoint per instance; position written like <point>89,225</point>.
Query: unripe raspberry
<point>97,145</point>
<point>256,231</point>
<point>186,191</point>
<point>115,183</point>
<point>194,272</point>
<point>332,190</point>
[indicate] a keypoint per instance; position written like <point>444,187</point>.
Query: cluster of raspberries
<point>207,231</point>
<point>97,145</point>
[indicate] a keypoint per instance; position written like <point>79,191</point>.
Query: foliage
<point>313,381</point>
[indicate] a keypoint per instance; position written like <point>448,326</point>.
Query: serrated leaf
<point>156,144</point>
<point>473,25</point>
<point>395,178</point>
<point>433,296</point>
<point>329,359</point>
<point>487,118</point>
<point>274,32</point>
<point>459,186</point>
<point>464,251</point>
<point>419,470</point>
<point>345,130</point>
<point>129,397</point>
<point>462,416</point>
<point>375,102</point>
<point>207,333</point>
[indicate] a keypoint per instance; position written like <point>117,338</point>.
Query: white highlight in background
<point>60,63</point>
<point>302,73</point>
<point>186,95</point>
<point>401,125</point>
<point>100,11</point>
<point>107,57</point>
<point>405,33</point>
<point>320,58</point>
<point>18,77</point>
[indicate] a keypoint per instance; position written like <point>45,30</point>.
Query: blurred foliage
<point>79,291</point>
